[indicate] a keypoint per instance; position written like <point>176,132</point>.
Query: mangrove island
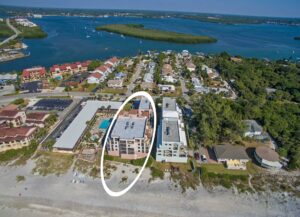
<point>138,30</point>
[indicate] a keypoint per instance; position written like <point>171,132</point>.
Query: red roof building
<point>13,138</point>
<point>34,74</point>
<point>13,117</point>
<point>70,68</point>
<point>36,119</point>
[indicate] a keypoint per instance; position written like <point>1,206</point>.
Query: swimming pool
<point>104,124</point>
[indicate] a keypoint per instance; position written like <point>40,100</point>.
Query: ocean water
<point>74,39</point>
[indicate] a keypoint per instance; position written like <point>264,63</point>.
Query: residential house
<point>169,78</point>
<point>267,157</point>
<point>233,156</point>
<point>148,78</point>
<point>166,88</point>
<point>120,75</point>
<point>113,61</point>
<point>167,70</point>
<point>190,66</point>
<point>115,83</point>
<point>95,78</point>
<point>252,128</point>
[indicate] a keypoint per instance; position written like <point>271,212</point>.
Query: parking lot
<point>51,104</point>
<point>32,87</point>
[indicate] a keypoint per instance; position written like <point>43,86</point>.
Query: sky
<point>274,8</point>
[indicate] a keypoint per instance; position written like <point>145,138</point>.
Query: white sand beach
<point>39,196</point>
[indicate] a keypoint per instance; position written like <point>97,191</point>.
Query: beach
<point>58,196</point>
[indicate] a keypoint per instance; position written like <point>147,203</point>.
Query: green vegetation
<point>32,32</point>
<point>138,30</point>
<point>20,178</point>
<point>52,163</point>
<point>157,173</point>
<point>137,162</point>
<point>18,101</point>
<point>227,180</point>
<point>114,90</point>
<point>220,169</point>
<point>278,111</point>
<point>218,120</point>
<point>94,64</point>
<point>22,154</point>
<point>5,31</point>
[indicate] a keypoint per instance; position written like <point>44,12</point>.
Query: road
<point>134,77</point>
<point>16,31</point>
<point>7,99</point>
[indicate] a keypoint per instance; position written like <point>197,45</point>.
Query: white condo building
<point>171,138</point>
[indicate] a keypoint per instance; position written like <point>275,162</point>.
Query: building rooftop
<point>169,104</point>
<point>170,130</point>
<point>267,153</point>
<point>253,126</point>
<point>144,104</point>
<point>38,116</point>
<point>74,131</point>
<point>230,152</point>
<point>129,128</point>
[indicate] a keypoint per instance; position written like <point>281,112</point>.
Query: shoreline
<point>157,198</point>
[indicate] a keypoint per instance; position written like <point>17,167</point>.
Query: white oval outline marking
<point>120,193</point>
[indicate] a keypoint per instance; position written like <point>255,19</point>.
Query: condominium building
<point>14,138</point>
<point>13,118</point>
<point>171,137</point>
<point>33,74</point>
<point>130,138</point>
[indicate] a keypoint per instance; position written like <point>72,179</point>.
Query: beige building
<point>15,138</point>
<point>116,83</point>
<point>13,117</point>
<point>37,119</point>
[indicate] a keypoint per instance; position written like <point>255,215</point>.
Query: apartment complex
<point>14,138</point>
<point>130,138</point>
<point>33,74</point>
<point>171,137</point>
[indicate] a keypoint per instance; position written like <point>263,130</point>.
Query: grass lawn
<point>138,30</point>
<point>89,88</point>
<point>221,169</point>
<point>52,163</point>
<point>114,91</point>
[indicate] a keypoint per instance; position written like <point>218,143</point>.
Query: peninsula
<point>138,30</point>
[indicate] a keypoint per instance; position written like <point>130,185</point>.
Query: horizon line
<point>145,10</point>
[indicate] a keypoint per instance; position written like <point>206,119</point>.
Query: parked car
<point>203,158</point>
<point>196,156</point>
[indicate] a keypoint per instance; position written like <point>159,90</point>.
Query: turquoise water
<point>104,124</point>
<point>74,39</point>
